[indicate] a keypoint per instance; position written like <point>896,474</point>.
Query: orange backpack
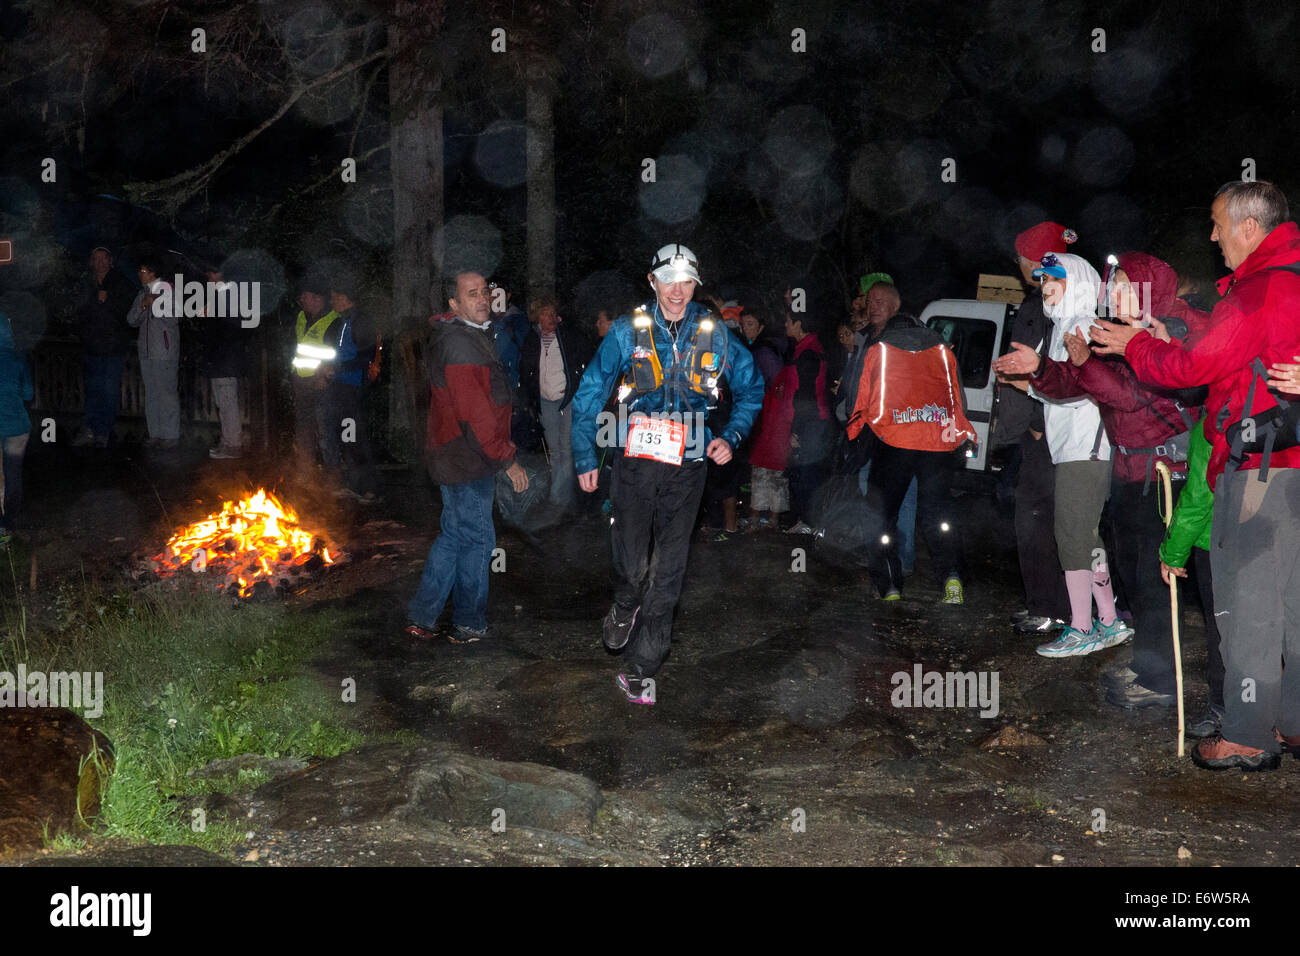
<point>911,399</point>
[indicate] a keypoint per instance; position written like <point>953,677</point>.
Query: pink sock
<point>1079,586</point>
<point>1104,595</point>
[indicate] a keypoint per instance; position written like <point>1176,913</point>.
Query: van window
<point>972,340</point>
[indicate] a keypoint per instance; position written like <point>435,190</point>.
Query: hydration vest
<point>312,350</point>
<point>697,368</point>
<point>911,399</point>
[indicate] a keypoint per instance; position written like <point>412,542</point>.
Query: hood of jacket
<point>1082,288</point>
<point>905,331</point>
<point>1144,269</point>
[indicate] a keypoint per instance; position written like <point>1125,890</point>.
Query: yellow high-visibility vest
<point>312,349</point>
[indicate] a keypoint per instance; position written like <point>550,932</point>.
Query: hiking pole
<point>1167,497</point>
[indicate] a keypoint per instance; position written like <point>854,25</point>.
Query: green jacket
<point>1191,525</point>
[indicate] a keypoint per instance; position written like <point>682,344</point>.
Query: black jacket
<point>224,352</point>
<point>575,351</point>
<point>1017,412</point>
<point>102,325</point>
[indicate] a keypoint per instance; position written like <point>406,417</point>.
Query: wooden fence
<point>59,390</point>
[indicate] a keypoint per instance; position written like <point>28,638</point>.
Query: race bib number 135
<point>657,439</point>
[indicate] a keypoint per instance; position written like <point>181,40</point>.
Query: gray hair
<point>1261,201</point>
<point>891,289</point>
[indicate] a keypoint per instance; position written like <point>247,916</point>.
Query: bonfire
<point>256,538</point>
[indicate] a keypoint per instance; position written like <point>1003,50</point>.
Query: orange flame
<point>249,538</point>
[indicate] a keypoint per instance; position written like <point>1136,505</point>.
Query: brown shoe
<point>1215,753</point>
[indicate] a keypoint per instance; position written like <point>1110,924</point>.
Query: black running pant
<point>1214,653</point>
<point>892,470</point>
<point>654,508</point>
<point>1135,561</point>
<point>805,480</point>
<point>1040,568</point>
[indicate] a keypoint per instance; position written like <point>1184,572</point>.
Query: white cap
<point>675,263</point>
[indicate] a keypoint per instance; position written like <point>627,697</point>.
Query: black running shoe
<point>466,635</point>
<point>618,632</point>
<point>637,689</point>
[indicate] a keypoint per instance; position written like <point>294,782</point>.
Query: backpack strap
<point>1096,442</point>
<point>1261,375</point>
<point>1236,454</point>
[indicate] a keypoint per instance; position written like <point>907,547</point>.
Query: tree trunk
<point>416,161</point>
<point>541,187</point>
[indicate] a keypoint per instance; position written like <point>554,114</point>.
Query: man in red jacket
<point>468,443</point>
<point>1256,538</point>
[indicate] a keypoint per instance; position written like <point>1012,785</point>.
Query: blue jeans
<point>906,521</point>
<point>459,559</point>
<point>103,392</point>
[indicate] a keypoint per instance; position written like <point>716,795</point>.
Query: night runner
<point>672,354</point>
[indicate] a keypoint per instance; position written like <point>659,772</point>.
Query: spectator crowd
<point>797,416</point>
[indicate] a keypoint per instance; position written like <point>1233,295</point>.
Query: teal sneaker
<point>1114,633</point>
<point>1074,643</point>
<point>891,595</point>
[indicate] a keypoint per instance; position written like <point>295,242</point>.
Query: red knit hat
<point>1043,238</point>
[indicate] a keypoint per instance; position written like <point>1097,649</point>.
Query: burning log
<point>254,541</point>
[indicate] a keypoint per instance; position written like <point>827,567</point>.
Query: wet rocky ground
<point>774,739</point>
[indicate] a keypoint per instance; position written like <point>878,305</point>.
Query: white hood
<point>1073,427</point>
<point>1082,287</point>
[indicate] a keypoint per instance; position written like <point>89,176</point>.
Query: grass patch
<point>63,842</point>
<point>188,678</point>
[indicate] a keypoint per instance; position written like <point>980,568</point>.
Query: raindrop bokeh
<point>1103,157</point>
<point>257,265</point>
<point>657,45</point>
<point>468,243</point>
<point>313,41</point>
<point>678,192</point>
<point>500,153</point>
<point>799,141</point>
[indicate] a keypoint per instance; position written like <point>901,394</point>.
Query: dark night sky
<point>771,164</point>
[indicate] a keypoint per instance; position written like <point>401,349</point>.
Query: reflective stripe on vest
<point>312,350</point>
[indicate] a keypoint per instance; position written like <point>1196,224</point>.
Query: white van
<point>978,333</point>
